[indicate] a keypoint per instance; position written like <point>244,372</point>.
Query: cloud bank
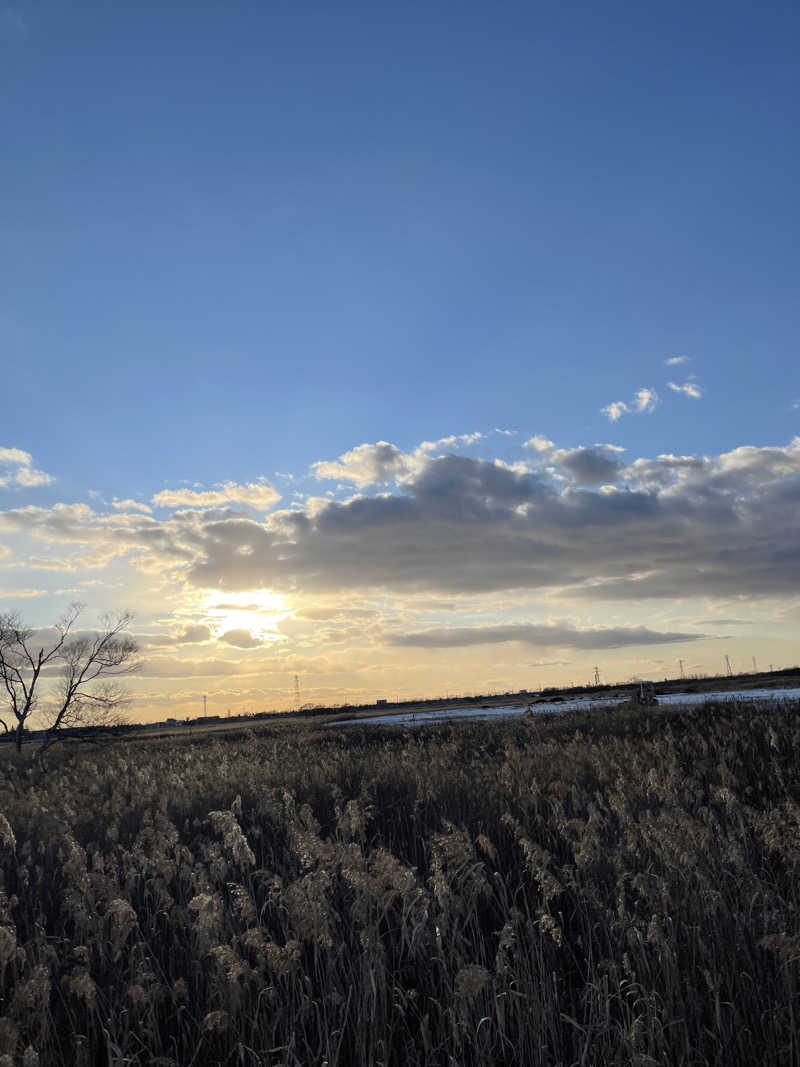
<point>571,521</point>
<point>548,635</point>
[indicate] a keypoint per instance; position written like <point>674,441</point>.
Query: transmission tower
<point>597,676</point>
<point>296,692</point>
<point>755,668</point>
<point>728,667</point>
<point>205,705</point>
<point>680,661</point>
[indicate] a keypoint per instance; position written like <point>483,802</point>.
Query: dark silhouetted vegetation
<point>605,887</point>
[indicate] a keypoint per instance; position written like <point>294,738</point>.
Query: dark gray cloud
<point>240,639</point>
<point>670,526</point>
<point>591,466</point>
<point>467,525</point>
<point>546,635</point>
<point>193,635</point>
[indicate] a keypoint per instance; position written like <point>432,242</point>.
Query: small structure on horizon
<point>644,696</point>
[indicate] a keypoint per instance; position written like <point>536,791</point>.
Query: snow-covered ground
<point>506,711</point>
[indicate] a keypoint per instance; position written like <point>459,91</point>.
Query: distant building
<point>381,703</point>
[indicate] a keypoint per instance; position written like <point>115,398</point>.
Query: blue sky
<point>243,239</point>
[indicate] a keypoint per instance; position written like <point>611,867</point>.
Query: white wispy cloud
<point>130,505</point>
<point>366,464</point>
<point>16,469</point>
<point>453,440</point>
<point>258,495</point>
<point>646,400</point>
<point>676,361</point>
<point>688,389</point>
<point>380,462</point>
<point>615,410</point>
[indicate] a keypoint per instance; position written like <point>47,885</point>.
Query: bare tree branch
<point>87,693</point>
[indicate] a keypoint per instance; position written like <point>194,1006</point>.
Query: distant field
<point>615,888</point>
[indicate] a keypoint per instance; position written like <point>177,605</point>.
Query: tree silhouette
<point>85,669</point>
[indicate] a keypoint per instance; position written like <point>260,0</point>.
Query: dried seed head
<point>8,947</point>
<point>470,980</point>
<point>785,946</point>
<point>216,1022</point>
<point>233,838</point>
<point>180,990</point>
<point>7,839</point>
<point>123,920</point>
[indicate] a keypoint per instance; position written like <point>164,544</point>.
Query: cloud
<point>645,401</point>
<point>41,563</point>
<point>668,526</point>
<point>130,505</point>
<point>258,495</point>
<point>367,464</point>
<point>382,462</point>
<point>451,441</point>
<point>688,389</point>
<point>166,667</point>
<point>547,635</point>
<point>686,524</point>
<point>193,635</point>
<point>16,469</point>
<point>21,594</point>
<point>615,410</point>
<point>240,639</point>
<point>675,361</point>
<point>584,466</point>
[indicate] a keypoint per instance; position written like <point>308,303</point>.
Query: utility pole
<point>296,693</point>
<point>205,705</point>
<point>680,661</point>
<point>755,669</point>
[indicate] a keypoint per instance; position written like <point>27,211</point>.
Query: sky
<point>408,349</point>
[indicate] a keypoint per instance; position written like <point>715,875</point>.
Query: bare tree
<point>86,669</point>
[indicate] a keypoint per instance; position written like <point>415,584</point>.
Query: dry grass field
<point>596,889</point>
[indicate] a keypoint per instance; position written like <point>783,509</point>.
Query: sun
<point>256,610</point>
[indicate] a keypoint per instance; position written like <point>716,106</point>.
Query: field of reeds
<point>598,888</point>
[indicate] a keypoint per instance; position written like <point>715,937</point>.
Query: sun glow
<point>257,611</point>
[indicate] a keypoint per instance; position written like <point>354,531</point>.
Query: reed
<point>606,887</point>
